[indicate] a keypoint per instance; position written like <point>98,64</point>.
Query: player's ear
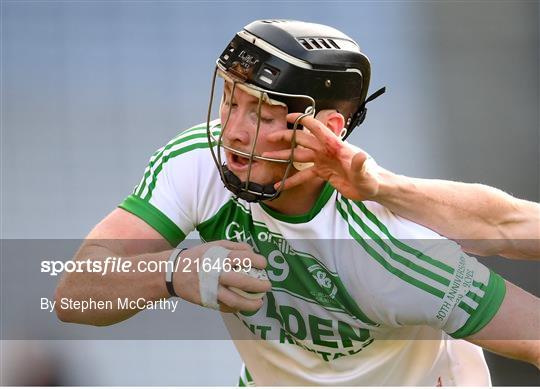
<point>332,119</point>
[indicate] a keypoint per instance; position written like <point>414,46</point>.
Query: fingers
<point>241,254</point>
<point>244,282</point>
<point>297,179</point>
<point>357,164</point>
<point>237,302</point>
<point>315,126</point>
<point>362,163</point>
<point>303,138</point>
<point>301,154</point>
<point>247,258</point>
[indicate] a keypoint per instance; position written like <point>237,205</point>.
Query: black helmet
<point>303,65</point>
<point>300,58</point>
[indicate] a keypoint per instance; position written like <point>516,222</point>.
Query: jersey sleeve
<point>424,278</point>
<point>166,196</point>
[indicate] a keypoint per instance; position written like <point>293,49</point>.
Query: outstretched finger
<point>245,282</point>
<point>302,138</point>
<point>297,179</point>
<point>362,163</point>
<point>315,126</point>
<point>237,302</point>
<point>247,258</point>
<point>301,154</point>
<point>358,162</point>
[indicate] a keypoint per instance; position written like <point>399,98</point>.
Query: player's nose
<point>237,130</point>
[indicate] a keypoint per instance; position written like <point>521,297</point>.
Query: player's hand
<point>348,168</point>
<point>186,278</point>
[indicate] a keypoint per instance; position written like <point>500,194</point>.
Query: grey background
<point>90,90</point>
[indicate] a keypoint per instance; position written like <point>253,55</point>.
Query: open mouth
<point>239,163</point>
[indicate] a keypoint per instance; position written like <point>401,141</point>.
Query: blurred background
<point>90,89</point>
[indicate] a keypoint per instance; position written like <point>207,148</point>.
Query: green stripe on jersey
<point>479,285</point>
<point>160,158</point>
<point>411,250</point>
<point>425,258</point>
<point>473,296</point>
<point>388,250</point>
<point>159,153</point>
<point>202,145</point>
<point>139,188</point>
<point>467,308</point>
<point>382,261</point>
<point>155,218</point>
<point>487,307</point>
<point>245,379</point>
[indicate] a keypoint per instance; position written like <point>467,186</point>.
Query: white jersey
<point>359,296</point>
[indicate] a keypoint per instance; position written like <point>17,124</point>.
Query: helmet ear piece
<point>359,117</point>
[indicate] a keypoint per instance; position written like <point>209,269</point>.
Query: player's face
<point>241,131</point>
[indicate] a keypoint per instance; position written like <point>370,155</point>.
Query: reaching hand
<point>348,168</point>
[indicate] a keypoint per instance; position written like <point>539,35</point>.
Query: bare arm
<point>120,234</point>
<point>485,220</point>
<point>514,332</point>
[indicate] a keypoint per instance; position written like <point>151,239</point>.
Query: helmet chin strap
<point>248,191</point>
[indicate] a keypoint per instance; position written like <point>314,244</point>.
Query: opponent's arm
<point>514,331</point>
<point>485,220</point>
<point>122,234</point>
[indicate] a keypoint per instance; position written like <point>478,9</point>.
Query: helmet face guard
<point>307,67</point>
<point>249,190</point>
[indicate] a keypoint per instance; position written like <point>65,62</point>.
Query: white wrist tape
<point>209,280</point>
